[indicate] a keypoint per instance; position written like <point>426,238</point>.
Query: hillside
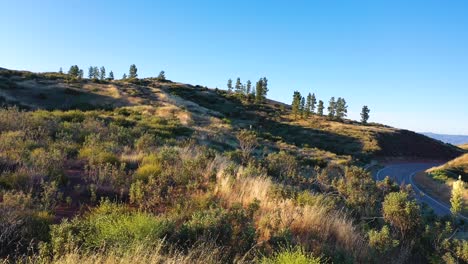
<point>215,115</point>
<point>453,168</point>
<point>155,171</point>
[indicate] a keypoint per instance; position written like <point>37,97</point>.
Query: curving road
<point>403,174</point>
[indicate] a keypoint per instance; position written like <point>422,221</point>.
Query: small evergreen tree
<point>229,85</point>
<point>161,76</point>
<point>296,104</point>
<point>102,74</point>
<point>238,86</point>
<point>80,74</point>
<point>96,73</point>
<point>124,76</point>
<point>111,75</point>
<point>264,88</point>
<point>302,107</point>
<point>248,87</point>
<point>365,114</point>
<point>90,72</point>
<point>132,73</point>
<point>341,108</point>
<point>331,108</point>
<point>74,71</point>
<point>320,108</point>
<point>308,106</point>
<point>60,71</point>
<point>313,102</point>
<point>259,91</point>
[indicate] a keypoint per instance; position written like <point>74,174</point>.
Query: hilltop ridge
<point>215,114</point>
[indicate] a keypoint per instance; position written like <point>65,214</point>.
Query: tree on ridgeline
<point>96,73</point>
<point>111,76</point>
<point>296,104</point>
<point>161,76</point>
<point>238,87</point>
<point>302,107</point>
<point>74,71</point>
<point>320,108</point>
<point>259,91</point>
<point>331,108</point>
<point>132,73</point>
<point>90,72</point>
<point>124,76</point>
<point>341,108</point>
<point>365,114</point>
<point>102,73</point>
<point>248,87</point>
<point>313,102</point>
<point>229,85</point>
<point>80,74</point>
<point>308,106</point>
<point>60,71</point>
<point>264,88</point>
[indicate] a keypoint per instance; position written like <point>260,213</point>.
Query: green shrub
<point>282,165</point>
<point>109,225</point>
<point>293,255</point>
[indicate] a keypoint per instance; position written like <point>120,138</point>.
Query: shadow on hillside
<point>309,137</point>
<point>39,94</point>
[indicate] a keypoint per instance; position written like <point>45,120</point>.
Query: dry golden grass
<point>464,146</point>
<point>460,162</point>
<point>311,226</point>
<point>199,254</point>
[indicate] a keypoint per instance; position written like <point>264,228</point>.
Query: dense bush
<point>109,225</point>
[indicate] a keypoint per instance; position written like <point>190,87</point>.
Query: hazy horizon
<point>406,61</point>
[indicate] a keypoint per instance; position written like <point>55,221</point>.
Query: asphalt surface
<point>403,174</point>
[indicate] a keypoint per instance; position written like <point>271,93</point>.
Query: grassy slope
<point>215,116</point>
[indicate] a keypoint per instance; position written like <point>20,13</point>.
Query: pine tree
<point>60,71</point>
<point>132,73</point>
<point>313,102</point>
<point>264,88</point>
<point>365,114</point>
<point>320,108</point>
<point>74,71</point>
<point>229,85</point>
<point>124,76</point>
<point>102,73</point>
<point>296,104</point>
<point>90,72</point>
<point>341,109</point>
<point>248,88</point>
<point>331,108</point>
<point>238,86</point>
<point>161,76</point>
<point>80,74</point>
<point>259,91</point>
<point>96,73</point>
<point>308,105</point>
<point>456,201</point>
<point>111,75</point>
<point>302,107</point>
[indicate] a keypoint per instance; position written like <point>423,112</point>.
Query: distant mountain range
<point>452,139</point>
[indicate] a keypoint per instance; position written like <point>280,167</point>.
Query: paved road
<point>404,172</point>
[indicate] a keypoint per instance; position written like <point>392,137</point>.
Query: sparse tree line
<point>255,94</point>
<point>304,107</point>
<point>96,73</point>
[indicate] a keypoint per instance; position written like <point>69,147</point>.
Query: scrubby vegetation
<point>158,182</point>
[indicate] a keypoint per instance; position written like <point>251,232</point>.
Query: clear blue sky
<point>407,60</point>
